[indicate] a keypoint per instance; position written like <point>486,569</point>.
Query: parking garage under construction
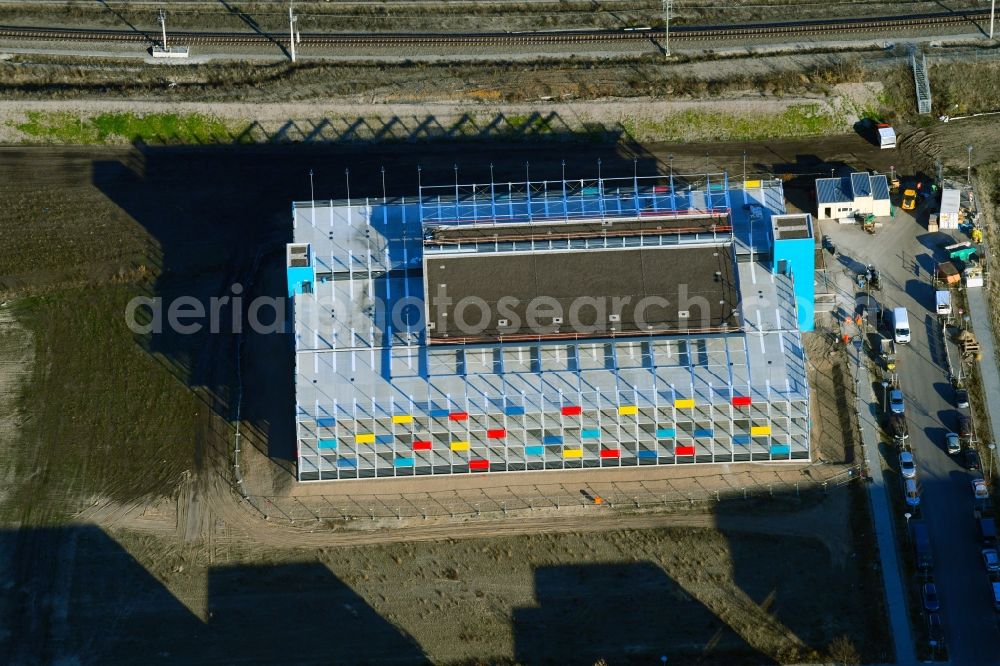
<point>550,325</point>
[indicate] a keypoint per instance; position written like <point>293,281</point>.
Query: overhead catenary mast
<point>666,6</point>
<point>162,18</point>
<point>164,50</point>
<point>291,30</point>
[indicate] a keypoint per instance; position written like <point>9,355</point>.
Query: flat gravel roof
<point>595,293</point>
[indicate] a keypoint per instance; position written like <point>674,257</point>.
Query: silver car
<point>952,443</point>
<point>907,466</point>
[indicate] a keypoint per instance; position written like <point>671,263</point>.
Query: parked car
<point>979,489</point>
<point>907,466</point>
<point>895,425</point>
<point>964,428</point>
<point>970,460</point>
<point>928,592</point>
<point>922,545</point>
<point>896,405</point>
<point>952,443</point>
<point>988,532</point>
<point>991,560</point>
<point>911,492</point>
<point>935,632</point>
<point>909,199</point>
<point>961,398</point>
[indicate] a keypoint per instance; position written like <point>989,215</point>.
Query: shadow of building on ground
<point>74,595</point>
<point>800,178</point>
<point>622,614</point>
<point>218,216</point>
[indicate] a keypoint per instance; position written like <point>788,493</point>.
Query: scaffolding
<point>374,399</point>
<point>667,401</point>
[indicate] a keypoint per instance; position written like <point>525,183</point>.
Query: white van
<point>900,326</point>
<point>942,302</point>
<point>886,136</point>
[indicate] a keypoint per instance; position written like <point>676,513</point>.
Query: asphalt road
<point>903,251</point>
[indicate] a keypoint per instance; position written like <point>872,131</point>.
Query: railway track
<point>685,33</point>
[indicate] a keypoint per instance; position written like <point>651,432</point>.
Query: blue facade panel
<point>799,256</point>
<point>298,276</point>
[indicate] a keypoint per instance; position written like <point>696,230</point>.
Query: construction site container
<point>946,271</point>
<point>950,205</point>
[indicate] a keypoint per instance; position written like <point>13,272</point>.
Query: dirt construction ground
<point>123,540</point>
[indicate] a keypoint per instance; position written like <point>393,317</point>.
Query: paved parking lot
<point>904,252</point>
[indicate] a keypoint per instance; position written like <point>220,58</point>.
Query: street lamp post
<point>969,173</point>
<point>885,389</point>
<point>907,515</point>
<point>991,447</point>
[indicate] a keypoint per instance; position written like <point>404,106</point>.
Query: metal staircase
<point>921,81</point>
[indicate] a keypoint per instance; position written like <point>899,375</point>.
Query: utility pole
<point>666,6</point>
<point>162,18</point>
<point>993,6</point>
<point>291,30</point>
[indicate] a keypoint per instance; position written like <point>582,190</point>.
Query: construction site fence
<point>517,500</point>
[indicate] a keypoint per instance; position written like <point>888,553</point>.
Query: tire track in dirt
<point>242,526</point>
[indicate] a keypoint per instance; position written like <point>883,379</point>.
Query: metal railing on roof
<point>572,200</point>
